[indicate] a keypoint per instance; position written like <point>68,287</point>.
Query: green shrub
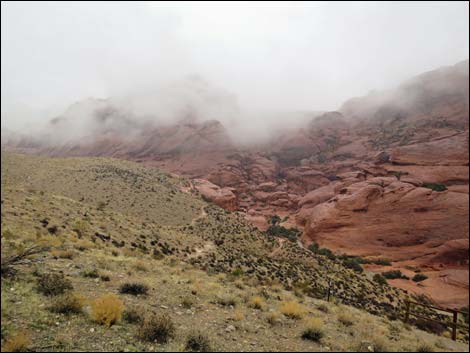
<point>419,277</point>
<point>394,274</point>
<point>382,262</point>
<point>353,264</point>
<point>280,231</point>
<point>134,288</point>
<point>435,186</point>
<point>326,252</point>
<point>314,247</point>
<point>237,272</point>
<point>51,284</point>
<point>378,278</point>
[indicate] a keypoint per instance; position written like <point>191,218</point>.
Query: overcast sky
<point>282,56</point>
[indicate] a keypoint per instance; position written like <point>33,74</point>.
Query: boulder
<point>224,197</point>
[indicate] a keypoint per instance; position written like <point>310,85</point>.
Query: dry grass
<point>293,310</point>
<point>273,318</point>
<point>63,254</point>
<point>140,266</point>
<point>257,303</point>
<point>107,309</point>
<point>313,330</point>
<point>238,315</point>
<point>346,318</point>
<point>17,343</point>
<point>69,303</point>
<point>84,244</point>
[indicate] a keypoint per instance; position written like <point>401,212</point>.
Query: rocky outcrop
<point>397,221</point>
<point>224,197</point>
<point>450,151</point>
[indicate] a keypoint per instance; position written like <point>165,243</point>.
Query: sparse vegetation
<point>198,342</point>
<point>424,347</point>
<point>157,328</point>
<point>51,284</point>
<point>90,273</point>
<point>346,319</point>
<point>68,303</point>
<point>133,315</point>
<point>273,318</point>
<point>323,307</point>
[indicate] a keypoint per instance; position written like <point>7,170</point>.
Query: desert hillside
<point>86,267</point>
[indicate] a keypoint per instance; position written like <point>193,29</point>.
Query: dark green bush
<point>435,186</point>
<point>313,247</point>
<point>353,264</point>
<point>197,342</point>
<point>382,262</point>
<point>378,278</point>
<point>134,288</point>
<point>419,277</point>
<point>280,231</point>
<point>394,274</point>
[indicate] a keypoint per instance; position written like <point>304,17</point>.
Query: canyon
<point>386,176</point>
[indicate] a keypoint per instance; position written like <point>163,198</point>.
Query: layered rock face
<point>387,176</point>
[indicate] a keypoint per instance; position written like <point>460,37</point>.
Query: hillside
<point>103,223</point>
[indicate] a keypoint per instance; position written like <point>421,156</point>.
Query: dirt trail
<point>281,242</point>
<point>203,214</point>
